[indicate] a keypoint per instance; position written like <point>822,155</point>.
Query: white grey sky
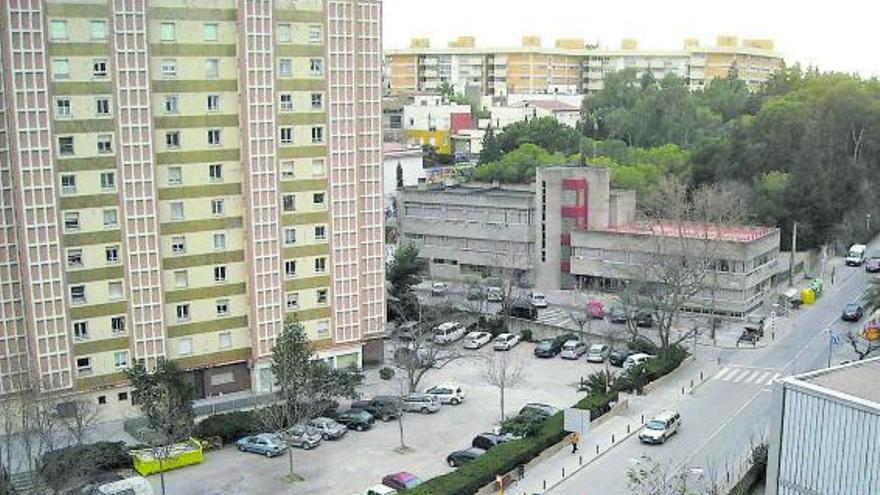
<point>840,35</point>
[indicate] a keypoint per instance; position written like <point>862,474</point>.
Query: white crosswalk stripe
<point>746,375</point>
<point>720,375</point>
<point>772,379</point>
<point>733,376</point>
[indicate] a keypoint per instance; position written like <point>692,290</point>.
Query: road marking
<point>775,376</point>
<point>761,377</point>
<point>733,377</point>
<point>720,375</point>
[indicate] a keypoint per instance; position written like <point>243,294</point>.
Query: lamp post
<point>868,224</point>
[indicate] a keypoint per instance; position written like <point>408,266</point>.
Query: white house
<point>410,161</point>
<point>564,113</point>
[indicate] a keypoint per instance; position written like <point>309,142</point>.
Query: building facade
<point>172,180</point>
<point>571,66</point>
<point>824,432</point>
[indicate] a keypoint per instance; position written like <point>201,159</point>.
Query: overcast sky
<point>841,35</point>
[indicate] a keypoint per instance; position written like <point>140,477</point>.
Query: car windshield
<point>545,344</point>
<point>595,348</point>
<point>655,425</point>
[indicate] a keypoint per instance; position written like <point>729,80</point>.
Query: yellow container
<point>180,455</point>
<point>808,296</point>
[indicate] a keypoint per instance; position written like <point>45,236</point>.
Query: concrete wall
<point>410,162</point>
<point>621,207</point>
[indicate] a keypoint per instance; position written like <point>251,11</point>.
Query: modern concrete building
<point>825,434</point>
<point>172,179</point>
<point>571,66</point>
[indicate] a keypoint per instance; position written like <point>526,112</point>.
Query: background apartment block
<point>571,66</point>
<point>171,177</point>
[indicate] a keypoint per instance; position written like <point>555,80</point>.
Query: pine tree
<point>491,149</point>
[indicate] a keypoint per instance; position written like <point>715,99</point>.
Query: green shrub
<point>643,345</point>
<point>526,335</point>
<point>523,425</point>
<point>386,373</point>
<point>665,362</point>
<point>56,467</point>
<point>229,426</point>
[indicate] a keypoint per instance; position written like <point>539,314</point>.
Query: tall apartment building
<point>178,177</point>
<point>570,66</point>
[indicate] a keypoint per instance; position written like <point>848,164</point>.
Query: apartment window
<point>84,367</point>
<point>74,258</point>
<point>62,108</point>
<point>285,67</point>
<point>286,135</point>
<point>111,254</point>
<point>322,328</point>
<point>185,346</point>
<point>171,104</point>
<point>316,33</point>
<point>318,199</point>
<point>317,135</point>
<point>120,359</point>
<point>177,212</point>
<point>122,396</point>
<point>209,31</point>
<point>320,232</point>
<point>182,311</point>
<point>320,265</point>
<point>115,290</point>
<point>78,294</point>
<point>65,145</point>
<point>288,169</point>
<point>81,330</point>
<point>169,68</point>
<point>286,102</point>
<point>68,184</point>
<point>98,30</point>
<point>60,68</point>
<point>102,107</point>
<point>220,241</point>
<point>172,139</point>
<point>99,68</point>
<point>284,33</point>
<point>215,172</point>
<point>219,274</point>
<point>317,167</point>
<point>322,296</point>
<point>167,31</point>
<point>290,268</point>
<point>212,68</point>
<point>213,103</point>
<point>117,325</point>
<point>108,181</point>
<point>102,399</point>
<point>105,143</point>
<point>317,101</point>
<point>213,137</point>
<point>71,221</point>
<point>58,29</point>
<point>111,219</point>
<point>221,307</point>
<point>288,202</point>
<point>224,340</point>
<point>178,245</point>
<point>292,301</point>
<point>289,236</point>
<point>181,279</point>
<point>316,66</point>
<point>175,176</point>
<point>217,207</point>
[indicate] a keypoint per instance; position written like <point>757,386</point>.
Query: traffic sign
<point>835,339</point>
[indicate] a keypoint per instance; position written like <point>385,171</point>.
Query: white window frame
<point>221,274</point>
<point>221,307</point>
<point>316,66</point>
<point>212,68</point>
<point>67,113</point>
<point>215,172</point>
<point>182,312</point>
<point>285,67</point>
<point>174,176</point>
<point>57,64</point>
<point>103,30</point>
<point>215,99</point>
<point>70,187</point>
<point>207,34</point>
<point>110,217</point>
<point>214,137</point>
<point>284,32</point>
<point>81,330</point>
<point>316,33</point>
<point>218,207</point>
<point>219,246</point>
<point>185,346</point>
<point>178,244</point>
<point>167,31</point>
<point>108,181</point>
<point>289,236</point>
<point>169,68</point>
<point>54,24</point>
<point>111,254</point>
<point>172,104</point>
<point>178,210</point>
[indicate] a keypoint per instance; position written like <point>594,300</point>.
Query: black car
<point>384,407</point>
<point>852,312</point>
<point>356,419</point>
<point>538,409</point>
<point>524,310</point>
<point>462,457</point>
<point>618,315</point>
<point>486,441</point>
<point>618,356</point>
<point>552,347</point>
<point>644,319</point>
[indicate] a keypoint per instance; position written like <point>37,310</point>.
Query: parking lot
<point>360,459</point>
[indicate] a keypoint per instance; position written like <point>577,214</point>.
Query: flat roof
<point>486,190</point>
<point>857,379</point>
<point>694,230</point>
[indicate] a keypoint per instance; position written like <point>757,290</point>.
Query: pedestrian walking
<point>574,438</point>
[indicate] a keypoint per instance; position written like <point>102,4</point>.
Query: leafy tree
<point>545,132</point>
<point>729,97</point>
<point>491,151</point>
<point>402,274</point>
<point>518,166</point>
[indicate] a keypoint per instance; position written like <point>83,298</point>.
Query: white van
<point>635,360</point>
<point>856,255</point>
<point>129,486</point>
<point>449,332</point>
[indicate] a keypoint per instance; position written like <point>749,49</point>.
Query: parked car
<point>644,319</point>
<point>447,393</point>
<point>356,419</point>
<point>380,490</point>
<point>873,264</point>
<point>538,299</point>
<point>661,427</point>
<point>329,428</point>
<point>635,360</point>
<point>505,341</point>
<point>598,353</point>
<point>465,456</point>
<point>573,349</point>
<point>596,310</point>
<point>475,293</point>
<point>524,310</point>
<point>475,340</point>
<point>384,407</point>
<point>486,441</point>
<point>852,312</point>
<point>494,294</point>
<point>539,409</point>
<point>618,315</point>
<point>448,332</point>
<point>303,436</point>
<point>618,356</point>
<point>423,403</point>
<point>438,289</point>
<point>408,331</point>
<point>548,347</point>
<point>401,481</point>
<point>267,444</point>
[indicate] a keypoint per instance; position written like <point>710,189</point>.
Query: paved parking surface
<point>360,460</point>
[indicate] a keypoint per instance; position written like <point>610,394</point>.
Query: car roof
<point>598,346</point>
<point>447,325</point>
<point>444,385</point>
<point>572,341</point>
<point>474,450</point>
<point>665,415</point>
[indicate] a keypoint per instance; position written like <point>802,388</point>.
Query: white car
<point>598,353</point>
<point>661,427</point>
<point>635,360</point>
<point>380,490</point>
<point>538,299</point>
<point>573,349</point>
<point>448,393</point>
<point>448,332</point>
<point>475,340</point>
<point>438,289</point>
<point>505,341</point>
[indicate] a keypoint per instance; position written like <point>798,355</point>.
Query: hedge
<point>56,466</point>
<point>228,426</point>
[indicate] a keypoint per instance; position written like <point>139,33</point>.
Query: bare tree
<point>861,345</point>
<point>416,354</point>
<point>651,477</point>
<point>77,416</point>
<point>502,371</point>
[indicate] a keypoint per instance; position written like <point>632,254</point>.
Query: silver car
<point>598,353</point>
<point>303,436</point>
<point>423,403</point>
<point>329,428</point>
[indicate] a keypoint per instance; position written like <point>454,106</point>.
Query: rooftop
<point>484,189</point>
<point>396,148</point>
<point>857,380</point>
<point>693,230</point>
<point>553,105</point>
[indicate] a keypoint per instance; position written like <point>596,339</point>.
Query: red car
<point>873,265</point>
<point>596,309</point>
<point>401,481</point>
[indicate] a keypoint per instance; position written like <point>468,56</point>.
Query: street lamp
<point>868,223</point>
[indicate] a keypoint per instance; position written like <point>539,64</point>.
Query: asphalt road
<point>733,408</point>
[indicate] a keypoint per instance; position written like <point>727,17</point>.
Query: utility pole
<point>793,250</point>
